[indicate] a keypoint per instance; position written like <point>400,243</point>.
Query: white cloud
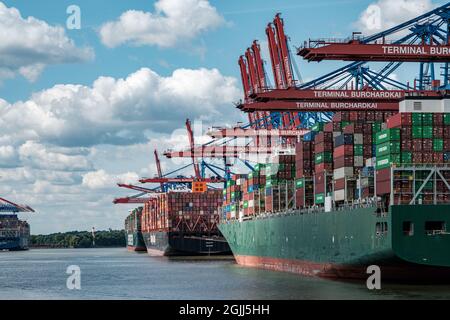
<point>172,22</point>
<point>36,155</point>
<point>27,45</point>
<point>100,179</point>
<point>118,111</point>
<point>384,14</point>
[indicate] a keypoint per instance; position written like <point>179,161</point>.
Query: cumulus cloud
<point>101,179</point>
<point>118,111</point>
<point>172,22</point>
<point>27,45</point>
<point>39,156</point>
<point>384,14</point>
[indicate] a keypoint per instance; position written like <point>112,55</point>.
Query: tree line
<point>79,239</point>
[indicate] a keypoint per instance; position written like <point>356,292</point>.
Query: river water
<point>118,274</point>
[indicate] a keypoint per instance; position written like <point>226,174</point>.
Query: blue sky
<point>246,21</point>
<point>83,109</point>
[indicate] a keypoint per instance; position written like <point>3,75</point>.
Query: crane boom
<point>192,145</point>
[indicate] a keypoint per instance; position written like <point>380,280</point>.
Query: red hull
<point>136,249</point>
<point>155,252</point>
<point>395,271</point>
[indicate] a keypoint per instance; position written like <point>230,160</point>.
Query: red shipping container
<point>446,132</point>
<point>399,120</point>
<point>417,145</point>
<point>344,150</point>
<point>353,116</point>
<point>406,145</point>
<point>370,116</point>
<point>383,174</point>
<point>383,187</point>
<point>438,119</point>
<point>323,137</point>
<point>438,157</point>
<point>345,161</point>
<point>438,132</point>
<point>427,145</point>
<point>322,147</point>
<point>339,184</point>
<point>417,157</point>
<point>328,127</point>
<point>320,168</point>
<point>406,132</point>
<point>361,116</point>
<point>446,144</point>
<point>428,157</point>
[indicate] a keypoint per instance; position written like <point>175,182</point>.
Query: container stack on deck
<point>342,160</point>
<point>133,221</point>
<point>412,138</point>
<point>182,212</point>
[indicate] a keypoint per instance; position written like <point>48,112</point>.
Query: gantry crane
<point>355,86</point>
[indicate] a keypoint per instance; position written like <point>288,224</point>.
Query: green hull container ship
<point>407,243</point>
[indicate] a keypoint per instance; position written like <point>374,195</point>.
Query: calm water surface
<point>118,274</point>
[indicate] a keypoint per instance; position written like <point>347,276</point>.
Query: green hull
<point>344,243</point>
<point>135,241</point>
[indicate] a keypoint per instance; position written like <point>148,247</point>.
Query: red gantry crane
<point>355,86</point>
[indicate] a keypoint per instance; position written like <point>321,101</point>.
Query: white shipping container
<point>358,138</point>
<point>341,173</point>
<point>339,195</point>
<point>336,134</point>
<point>370,162</point>
<point>359,161</point>
<point>251,203</point>
<point>238,182</point>
<point>233,214</point>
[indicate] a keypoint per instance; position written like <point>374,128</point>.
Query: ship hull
<point>160,243</point>
<point>14,244</point>
<point>135,242</point>
<point>342,244</point>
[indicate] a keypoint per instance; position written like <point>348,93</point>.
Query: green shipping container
<point>300,183</point>
<point>438,145</point>
<point>447,119</point>
<point>388,135</point>
<point>417,119</point>
<point>427,132</point>
<point>320,198</point>
<point>245,204</point>
<point>326,157</point>
<point>417,132</point>
<point>358,150</point>
<point>386,161</point>
<point>406,157</point>
<point>427,119</point>
<point>386,148</point>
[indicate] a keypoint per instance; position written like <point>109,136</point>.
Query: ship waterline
<point>342,244</point>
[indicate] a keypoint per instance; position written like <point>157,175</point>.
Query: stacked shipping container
<point>413,138</point>
<point>182,212</point>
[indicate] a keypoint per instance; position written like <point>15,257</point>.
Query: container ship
<point>184,224</point>
<point>365,189</point>
<point>133,231</point>
<point>14,233</point>
<point>369,184</point>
